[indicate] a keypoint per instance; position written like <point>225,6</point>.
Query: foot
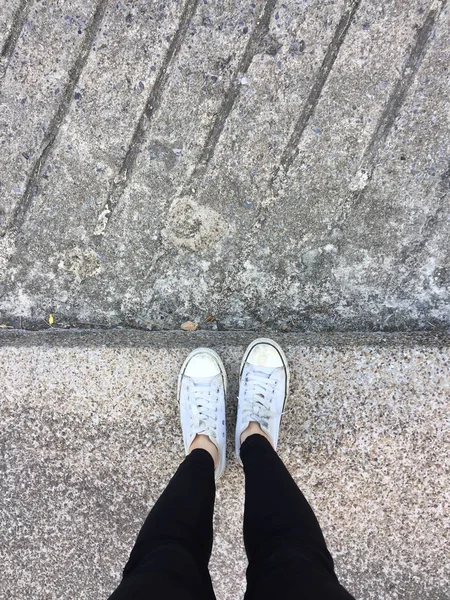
<point>202,387</point>
<point>263,391</point>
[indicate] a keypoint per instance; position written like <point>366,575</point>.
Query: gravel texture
<point>90,436</point>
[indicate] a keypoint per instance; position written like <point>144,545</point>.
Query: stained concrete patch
<point>82,262</point>
<point>90,432</point>
<point>192,226</point>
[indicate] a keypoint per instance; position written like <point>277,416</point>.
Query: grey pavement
<point>90,437</point>
<point>268,166</point>
<point>274,164</point>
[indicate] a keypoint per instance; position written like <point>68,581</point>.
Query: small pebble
<point>189,326</point>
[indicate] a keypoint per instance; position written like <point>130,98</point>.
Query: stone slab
<point>279,165</point>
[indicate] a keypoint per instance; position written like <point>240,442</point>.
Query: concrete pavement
<point>272,163</point>
<point>90,437</point>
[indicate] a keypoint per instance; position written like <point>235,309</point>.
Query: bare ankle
<point>204,442</point>
<point>253,428</point>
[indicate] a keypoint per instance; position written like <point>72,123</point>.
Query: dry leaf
<point>4,326</point>
<point>210,319</point>
<point>51,320</point>
<point>189,326</point>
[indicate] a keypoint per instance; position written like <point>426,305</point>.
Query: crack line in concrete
<point>119,184</point>
<point>9,46</point>
<point>384,125</point>
<point>253,47</point>
<point>291,149</point>
<point>390,112</point>
<point>21,209</point>
<point>397,97</point>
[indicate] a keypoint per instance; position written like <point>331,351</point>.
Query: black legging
<point>287,553</point>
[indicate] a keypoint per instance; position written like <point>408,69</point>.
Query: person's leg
<point>171,554</point>
<point>287,553</point>
<point>288,557</point>
<point>172,551</point>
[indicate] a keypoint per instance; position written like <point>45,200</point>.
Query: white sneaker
<point>202,386</point>
<point>263,389</point>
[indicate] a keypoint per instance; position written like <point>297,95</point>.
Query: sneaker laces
<point>203,399</point>
<point>258,390</point>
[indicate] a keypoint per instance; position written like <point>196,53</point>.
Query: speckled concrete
<point>89,438</point>
<point>277,163</point>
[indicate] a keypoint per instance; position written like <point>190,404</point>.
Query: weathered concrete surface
<point>275,164</point>
<point>90,436</point>
<point>272,163</point>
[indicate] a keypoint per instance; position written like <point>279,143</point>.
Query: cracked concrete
<point>275,165</point>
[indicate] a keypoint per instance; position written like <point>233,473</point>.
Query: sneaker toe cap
<point>265,355</point>
<point>202,365</point>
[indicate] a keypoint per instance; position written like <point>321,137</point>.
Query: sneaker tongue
<point>203,381</point>
<point>263,371</point>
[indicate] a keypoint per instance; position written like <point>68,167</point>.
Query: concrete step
<point>273,163</point>
<point>90,437</point>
